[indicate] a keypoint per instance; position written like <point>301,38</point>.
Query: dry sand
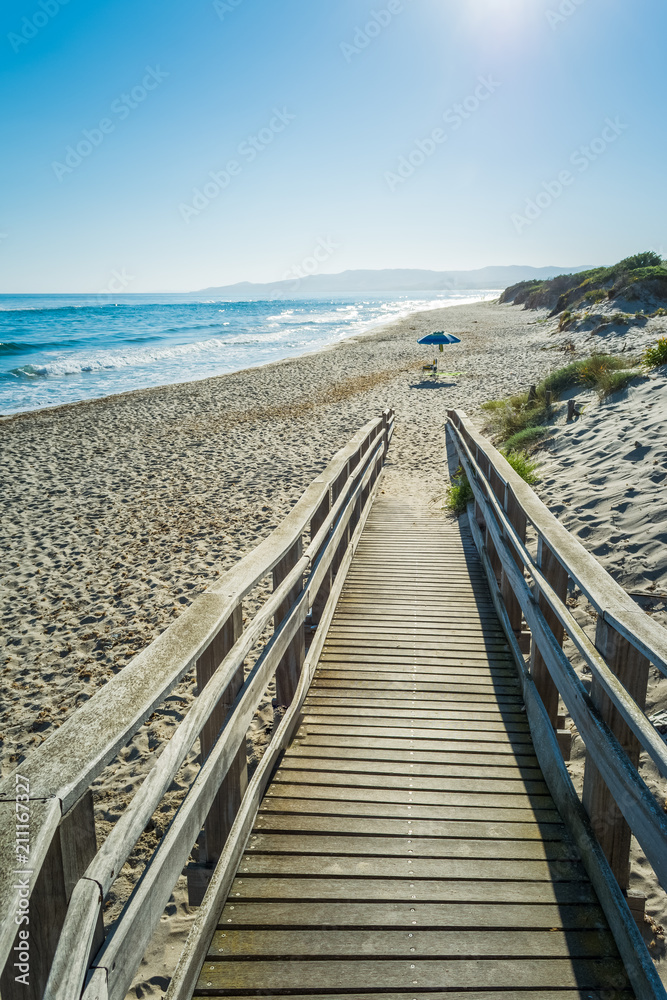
<point>118,512</point>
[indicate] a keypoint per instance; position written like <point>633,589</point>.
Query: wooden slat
<point>364,806</point>
<point>507,974</point>
<point>532,916</point>
<point>411,847</point>
<point>292,944</point>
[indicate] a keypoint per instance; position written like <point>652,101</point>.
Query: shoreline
<point>375,326</point>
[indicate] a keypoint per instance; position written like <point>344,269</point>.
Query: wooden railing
<point>51,870</point>
<point>529,583</point>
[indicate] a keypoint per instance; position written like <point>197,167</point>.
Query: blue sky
<point>316,104</point>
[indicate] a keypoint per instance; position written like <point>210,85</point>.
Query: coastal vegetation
<point>521,421</point>
<point>655,354</point>
<point>459,492</point>
<point>642,277</point>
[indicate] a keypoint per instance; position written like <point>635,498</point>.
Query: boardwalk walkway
<point>408,845</point>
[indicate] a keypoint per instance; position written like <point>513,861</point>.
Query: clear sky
<point>339,124</point>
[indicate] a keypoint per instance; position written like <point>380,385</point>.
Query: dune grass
<point>519,422</point>
<point>524,465</point>
<point>459,493</point>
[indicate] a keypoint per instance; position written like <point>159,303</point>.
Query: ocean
<point>58,349</point>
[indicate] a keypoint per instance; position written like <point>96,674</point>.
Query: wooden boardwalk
<point>407,845</point>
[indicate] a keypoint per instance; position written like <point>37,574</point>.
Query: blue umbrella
<point>440,338</point>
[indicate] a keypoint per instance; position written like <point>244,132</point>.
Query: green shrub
<point>524,465</point>
<point>649,258</point>
<point>594,370</point>
<point>613,381</point>
<point>656,354</point>
<point>459,493</point>
<point>561,379</point>
<point>565,320</point>
<point>525,438</point>
<point>598,295</point>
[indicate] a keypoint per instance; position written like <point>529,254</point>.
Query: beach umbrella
<point>440,339</point>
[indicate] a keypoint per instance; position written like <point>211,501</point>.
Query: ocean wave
<point>108,360</point>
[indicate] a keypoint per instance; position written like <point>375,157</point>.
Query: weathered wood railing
<point>60,879</point>
<point>610,720</point>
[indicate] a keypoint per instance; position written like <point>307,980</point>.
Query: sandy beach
<point>119,512</point>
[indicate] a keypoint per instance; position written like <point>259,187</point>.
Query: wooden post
<point>570,410</point>
<point>486,468</point>
<point>558,578</point>
<point>518,520</point>
<point>228,799</point>
<point>321,597</point>
<point>532,393</point>
<point>289,668</point>
<point>631,668</point>
<point>72,849</point>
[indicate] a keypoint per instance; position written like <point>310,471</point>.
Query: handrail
<point>62,769</point>
<point>646,733</point>
<point>610,721</point>
<point>638,962</point>
<point>603,592</point>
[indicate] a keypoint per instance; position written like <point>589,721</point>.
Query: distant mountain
<point>348,283</point>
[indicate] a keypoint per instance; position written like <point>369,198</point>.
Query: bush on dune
<point>656,354</point>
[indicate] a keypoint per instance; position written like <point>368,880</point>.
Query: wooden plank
<point>443,739</point>
<point>471,830</point>
<point>425,974</point>
<point>424,890</point>
<point>364,763</point>
<point>449,846</point>
<point>330,690</point>
<point>415,723</point>
<point>415,810</point>
<point>464,869</point>
<point>292,945</point>
<point>449,916</point>
<point>508,748</point>
<point>530,994</point>
<point>366,709</point>
<point>408,676</point>
<point>371,779</point>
